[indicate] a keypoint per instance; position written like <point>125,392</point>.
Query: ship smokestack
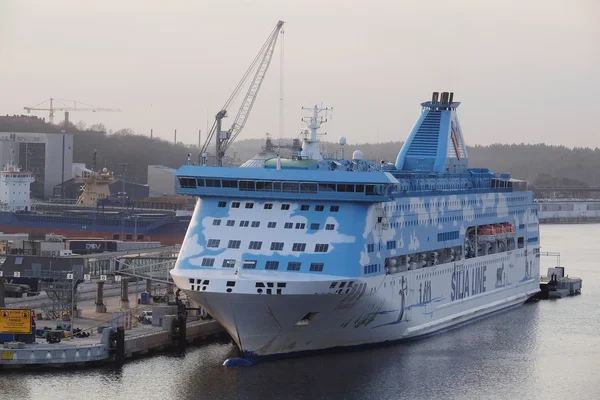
<point>444,98</point>
<point>434,97</point>
<point>451,99</point>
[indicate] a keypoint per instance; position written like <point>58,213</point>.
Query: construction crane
<point>66,105</point>
<point>259,66</point>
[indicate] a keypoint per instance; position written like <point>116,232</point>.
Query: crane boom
<point>66,107</point>
<point>260,65</point>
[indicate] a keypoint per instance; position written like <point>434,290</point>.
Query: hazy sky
<point>525,70</point>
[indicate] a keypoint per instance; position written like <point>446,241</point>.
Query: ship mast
<point>310,141</point>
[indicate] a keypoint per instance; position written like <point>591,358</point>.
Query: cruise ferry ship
<point>308,253</point>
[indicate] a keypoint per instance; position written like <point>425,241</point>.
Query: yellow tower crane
<point>66,106</point>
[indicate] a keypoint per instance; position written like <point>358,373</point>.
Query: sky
<point>524,70</point>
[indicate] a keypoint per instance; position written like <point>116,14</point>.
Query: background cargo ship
<point>96,214</point>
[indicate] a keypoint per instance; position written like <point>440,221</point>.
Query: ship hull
<point>395,307</point>
<point>169,231</point>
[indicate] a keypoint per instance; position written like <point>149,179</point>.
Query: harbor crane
<point>259,66</point>
<point>66,105</point>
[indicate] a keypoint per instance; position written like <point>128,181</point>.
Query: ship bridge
<point>203,181</point>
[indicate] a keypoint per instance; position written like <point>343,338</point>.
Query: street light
<point>71,276</point>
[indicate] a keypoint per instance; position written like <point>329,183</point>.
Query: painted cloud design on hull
<point>207,230</point>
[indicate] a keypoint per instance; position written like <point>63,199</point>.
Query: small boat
<point>486,233</point>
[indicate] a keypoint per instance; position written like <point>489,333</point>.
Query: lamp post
<point>71,276</point>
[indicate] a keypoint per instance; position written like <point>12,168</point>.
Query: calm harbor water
<point>543,350</point>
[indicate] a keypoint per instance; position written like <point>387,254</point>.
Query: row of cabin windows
<point>442,237</point>
<point>269,265</point>
<point>399,207</point>
<point>444,219</point>
<point>269,206</point>
<point>371,269</point>
<point>284,186</point>
<point>273,224</point>
<point>275,246</point>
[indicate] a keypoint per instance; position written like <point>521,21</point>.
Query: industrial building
<point>38,147</point>
<point>161,180</point>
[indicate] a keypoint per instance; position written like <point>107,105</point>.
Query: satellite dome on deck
<point>342,141</point>
<point>357,155</point>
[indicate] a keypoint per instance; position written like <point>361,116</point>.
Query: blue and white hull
<point>308,254</point>
<point>310,315</point>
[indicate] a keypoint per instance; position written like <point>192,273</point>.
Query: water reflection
<point>548,349</point>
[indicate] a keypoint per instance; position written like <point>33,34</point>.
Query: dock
<point>556,285</point>
<point>122,338</point>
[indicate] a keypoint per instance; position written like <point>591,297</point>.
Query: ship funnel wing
<point>436,142</point>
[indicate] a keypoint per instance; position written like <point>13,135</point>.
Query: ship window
<point>255,224</point>
<point>299,247</point>
<point>230,283</point>
<point>315,227</point>
<point>290,187</point>
<point>334,208</point>
<point>321,248</point>
<point>272,265</point>
<point>115,236</point>
<point>247,185</point>
<point>140,237</point>
<point>230,222</point>
<point>234,244</point>
<point>235,204</point>
<point>250,264</point>
<point>277,246</point>
<point>216,222</point>
<point>369,269</point>
<point>249,205</point>
<point>326,187</point>
<point>244,224</point>
<point>264,186</point>
<point>229,184</point>
<point>213,183</point>
<point>308,187</point>
<point>316,267</point>
<point>255,245</point>
<point>345,188</point>
<point>391,244</point>
<point>271,224</point>
<point>371,248</point>
<point>228,264</point>
<point>213,243</point>
<point>222,204</point>
<point>370,189</point>
<point>319,208</point>
<point>268,206</point>
<point>285,206</point>
<point>200,182</point>
<point>128,236</point>
<point>277,186</point>
<point>521,243</point>
<point>304,207</point>
<point>288,225</point>
<point>187,183</point>
<point>329,227</point>
<point>300,225</point>
<point>332,286</point>
<point>360,188</point>
<point>293,266</point>
<point>208,262</point>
